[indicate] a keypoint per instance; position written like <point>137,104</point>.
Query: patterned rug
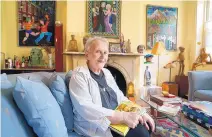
<point>167,128</point>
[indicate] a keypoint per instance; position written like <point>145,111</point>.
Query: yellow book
<point>126,106</point>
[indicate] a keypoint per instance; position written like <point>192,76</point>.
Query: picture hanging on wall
<point>36,22</point>
<point>162,26</point>
<point>104,18</point>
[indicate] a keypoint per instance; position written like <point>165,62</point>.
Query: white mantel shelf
<point>114,54</point>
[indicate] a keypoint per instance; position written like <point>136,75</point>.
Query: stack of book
<point>200,111</point>
<point>169,109</point>
<point>160,100</point>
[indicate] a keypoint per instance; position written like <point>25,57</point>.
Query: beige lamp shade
<point>158,48</point>
<point>170,65</point>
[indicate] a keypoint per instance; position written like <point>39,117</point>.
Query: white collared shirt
<point>90,118</point>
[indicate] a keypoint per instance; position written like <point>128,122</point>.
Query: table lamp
<point>170,66</point>
<point>158,50</point>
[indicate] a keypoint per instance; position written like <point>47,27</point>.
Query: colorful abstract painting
<point>162,26</point>
<point>36,21</point>
<point>104,18</point>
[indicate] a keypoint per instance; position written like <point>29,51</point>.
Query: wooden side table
<point>182,82</point>
<point>171,87</point>
<point>25,70</point>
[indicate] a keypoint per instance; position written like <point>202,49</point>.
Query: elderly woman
<point>95,95</point>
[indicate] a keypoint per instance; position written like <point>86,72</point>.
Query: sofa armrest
<point>199,80</point>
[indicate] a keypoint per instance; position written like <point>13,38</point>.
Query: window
<point>208,27</point>
<point>208,10</point>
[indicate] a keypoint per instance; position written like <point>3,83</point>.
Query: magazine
<point>126,106</point>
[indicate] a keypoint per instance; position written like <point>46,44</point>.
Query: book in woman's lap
<point>126,106</point>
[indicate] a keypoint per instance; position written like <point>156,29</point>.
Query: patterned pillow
<point>40,108</point>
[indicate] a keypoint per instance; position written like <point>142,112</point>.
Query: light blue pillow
<point>60,92</point>
<point>12,118</point>
<point>67,78</point>
<point>40,108</point>
<point>5,83</point>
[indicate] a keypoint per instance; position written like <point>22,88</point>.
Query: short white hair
<point>91,40</point>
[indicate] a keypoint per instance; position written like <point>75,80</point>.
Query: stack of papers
<point>169,109</point>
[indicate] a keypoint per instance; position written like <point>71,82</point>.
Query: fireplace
<point>119,78</point>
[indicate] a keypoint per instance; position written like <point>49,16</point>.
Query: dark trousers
<point>139,131</point>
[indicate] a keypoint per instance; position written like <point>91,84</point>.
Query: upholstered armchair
<point>200,85</point>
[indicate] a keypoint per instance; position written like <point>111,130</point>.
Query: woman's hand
<point>147,118</point>
<point>131,119</point>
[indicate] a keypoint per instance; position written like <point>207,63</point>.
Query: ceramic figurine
<point>202,59</point>
<point>130,90</point>
<point>140,49</point>
<point>85,38</point>
<point>122,44</point>
<point>181,59</point>
<point>148,58</point>
<point>128,47</point>
<point>147,77</point>
<point>73,44</point>
<point>35,58</point>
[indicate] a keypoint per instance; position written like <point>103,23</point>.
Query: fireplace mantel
<point>113,54</point>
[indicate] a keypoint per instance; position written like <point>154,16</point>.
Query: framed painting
<point>36,21</point>
<point>114,47</point>
<point>103,18</point>
<point>162,26</point>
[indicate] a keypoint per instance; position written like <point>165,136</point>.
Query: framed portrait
<point>36,20</point>
<point>162,26</point>
<point>103,18</point>
<point>114,47</point>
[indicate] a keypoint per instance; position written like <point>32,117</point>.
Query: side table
<point>182,82</point>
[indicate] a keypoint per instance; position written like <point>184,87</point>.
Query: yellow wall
<point>9,19</point>
<point>133,26</point>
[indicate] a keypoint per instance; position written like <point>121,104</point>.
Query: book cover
<point>126,106</point>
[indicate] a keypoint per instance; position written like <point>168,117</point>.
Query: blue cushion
<point>40,108</point>
<point>5,83</point>
<point>60,92</point>
<point>205,95</point>
<point>67,78</point>
<point>12,120</point>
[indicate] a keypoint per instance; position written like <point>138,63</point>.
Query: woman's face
<point>97,55</point>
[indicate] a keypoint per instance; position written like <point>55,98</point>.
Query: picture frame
<point>161,26</point>
<point>114,47</point>
<point>36,22</point>
<point>104,18</point>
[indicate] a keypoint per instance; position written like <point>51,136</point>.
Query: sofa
<point>200,86</point>
<point>14,123</point>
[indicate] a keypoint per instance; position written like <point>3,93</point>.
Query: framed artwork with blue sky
<point>162,26</point>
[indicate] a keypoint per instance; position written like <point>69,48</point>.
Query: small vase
<point>50,61</point>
